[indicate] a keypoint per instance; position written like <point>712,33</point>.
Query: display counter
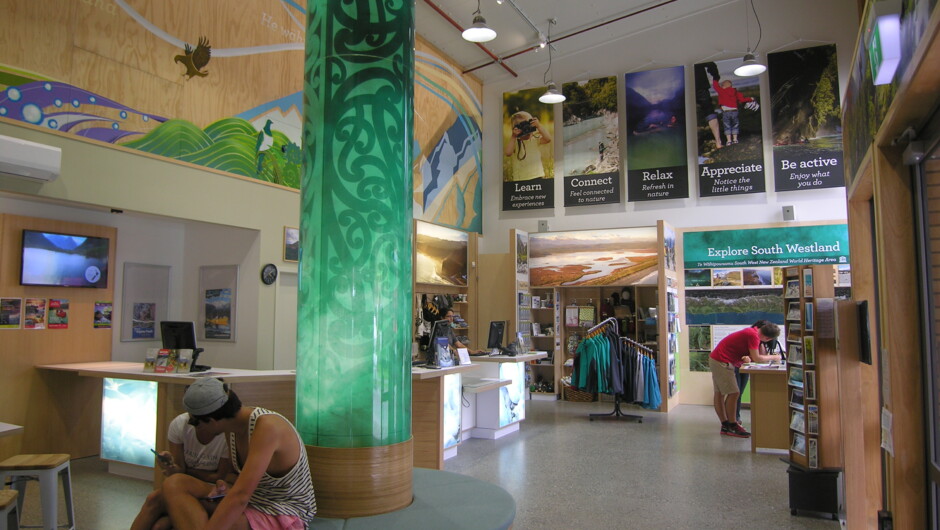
<point>499,413</point>
<point>137,407</point>
<point>435,413</point>
<point>770,419</point>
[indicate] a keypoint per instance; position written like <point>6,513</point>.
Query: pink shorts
<point>263,521</point>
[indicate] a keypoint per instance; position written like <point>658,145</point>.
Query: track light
<point>552,95</point>
<point>750,65</point>
<point>478,31</point>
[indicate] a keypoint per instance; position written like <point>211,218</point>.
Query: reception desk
<point>770,419</point>
<point>138,406</point>
<point>499,413</point>
<point>435,413</point>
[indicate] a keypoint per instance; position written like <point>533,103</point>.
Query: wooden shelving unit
<point>812,371</point>
<point>545,337</point>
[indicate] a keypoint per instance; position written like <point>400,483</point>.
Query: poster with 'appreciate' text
<point>730,142</point>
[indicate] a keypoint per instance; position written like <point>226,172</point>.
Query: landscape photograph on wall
<point>733,306</point>
<point>625,256</point>
<point>440,255</point>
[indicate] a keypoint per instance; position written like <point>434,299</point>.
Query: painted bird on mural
<point>195,60</point>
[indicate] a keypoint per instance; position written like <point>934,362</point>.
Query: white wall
<point>715,33</point>
<point>184,246</point>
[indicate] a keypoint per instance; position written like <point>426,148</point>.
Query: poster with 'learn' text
<point>528,161</point>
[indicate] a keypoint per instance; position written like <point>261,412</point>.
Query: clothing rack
<point>617,413</point>
<point>609,320</point>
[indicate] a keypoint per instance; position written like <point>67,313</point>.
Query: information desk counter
<point>499,413</point>
<point>770,418</point>
<point>435,413</point>
<point>137,407</point>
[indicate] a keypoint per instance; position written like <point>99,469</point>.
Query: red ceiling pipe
<point>460,29</point>
<point>556,39</point>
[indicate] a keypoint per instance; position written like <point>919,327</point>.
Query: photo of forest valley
<point>733,306</point>
<point>807,118</point>
<point>591,130</point>
<point>733,134</point>
<point>593,257</point>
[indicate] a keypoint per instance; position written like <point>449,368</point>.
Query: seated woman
<point>206,459</point>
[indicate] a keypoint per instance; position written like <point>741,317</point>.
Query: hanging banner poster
<point>528,161</point>
<point>657,167</point>
<point>767,247</point>
<point>730,142</point>
<point>807,119</point>
<point>591,131</point>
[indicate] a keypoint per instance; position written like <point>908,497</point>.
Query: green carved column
<point>354,307</point>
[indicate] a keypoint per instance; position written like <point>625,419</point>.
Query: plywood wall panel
<point>136,89</point>
<point>22,21</point>
<point>57,412</point>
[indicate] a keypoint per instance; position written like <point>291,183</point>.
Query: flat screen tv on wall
<point>64,260</point>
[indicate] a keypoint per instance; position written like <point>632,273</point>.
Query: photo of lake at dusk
<point>626,256</point>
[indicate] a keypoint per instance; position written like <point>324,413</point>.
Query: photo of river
<point>593,257</point>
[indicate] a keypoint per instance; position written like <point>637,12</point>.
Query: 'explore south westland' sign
<point>767,247</point>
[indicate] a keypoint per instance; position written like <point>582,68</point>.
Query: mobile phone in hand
<point>165,460</point>
<point>216,497</point>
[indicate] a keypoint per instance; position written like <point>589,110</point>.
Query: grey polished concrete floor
<point>671,471</point>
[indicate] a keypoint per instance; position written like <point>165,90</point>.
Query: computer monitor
<point>178,335</point>
<point>495,340</point>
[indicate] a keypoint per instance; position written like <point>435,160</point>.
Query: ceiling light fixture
<point>478,31</point>
<point>750,65</point>
<point>552,95</point>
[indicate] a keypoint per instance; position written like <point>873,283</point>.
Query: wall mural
<point>181,80</point>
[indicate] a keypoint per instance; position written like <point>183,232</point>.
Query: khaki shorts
<point>723,377</point>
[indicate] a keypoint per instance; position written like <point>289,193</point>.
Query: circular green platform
<point>441,500</point>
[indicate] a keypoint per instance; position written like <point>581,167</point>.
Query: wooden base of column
<point>361,481</point>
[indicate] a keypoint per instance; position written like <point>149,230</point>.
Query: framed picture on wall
<point>144,301</point>
<point>291,244</point>
<point>218,290</point>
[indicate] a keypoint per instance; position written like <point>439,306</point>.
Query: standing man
<point>734,350</point>
<point>273,490</point>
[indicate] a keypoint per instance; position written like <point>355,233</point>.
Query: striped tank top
<point>291,494</point>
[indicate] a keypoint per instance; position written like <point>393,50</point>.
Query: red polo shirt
<point>736,345</point>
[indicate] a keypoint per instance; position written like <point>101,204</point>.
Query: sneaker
<point>725,429</point>
<point>737,431</point>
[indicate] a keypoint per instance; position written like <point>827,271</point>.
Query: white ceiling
<point>515,33</point>
<point>604,50</point>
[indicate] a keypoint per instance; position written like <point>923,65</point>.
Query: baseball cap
<point>205,397</point>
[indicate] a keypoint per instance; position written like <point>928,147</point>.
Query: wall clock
<point>268,274</point>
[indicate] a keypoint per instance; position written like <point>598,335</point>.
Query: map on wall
<point>178,80</point>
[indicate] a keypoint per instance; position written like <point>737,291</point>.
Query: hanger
<point>596,330</point>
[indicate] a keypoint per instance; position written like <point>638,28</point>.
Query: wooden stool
<point>45,468</point>
<point>9,518</point>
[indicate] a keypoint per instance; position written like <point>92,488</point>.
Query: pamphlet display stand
<point>812,383</point>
